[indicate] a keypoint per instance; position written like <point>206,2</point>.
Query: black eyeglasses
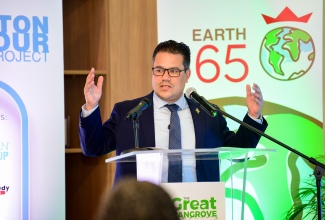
<point>172,72</point>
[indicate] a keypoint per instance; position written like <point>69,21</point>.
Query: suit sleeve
<point>95,139</point>
<point>244,137</point>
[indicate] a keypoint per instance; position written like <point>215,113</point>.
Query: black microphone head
<point>137,110</point>
<point>200,101</point>
<point>147,101</point>
<point>189,92</point>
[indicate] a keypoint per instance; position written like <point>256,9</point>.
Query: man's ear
<point>188,74</point>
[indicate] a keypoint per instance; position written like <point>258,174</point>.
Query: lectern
<point>200,200</point>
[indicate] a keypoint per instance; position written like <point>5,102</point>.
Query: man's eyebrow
<point>173,67</point>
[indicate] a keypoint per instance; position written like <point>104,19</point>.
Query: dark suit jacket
<point>117,134</point>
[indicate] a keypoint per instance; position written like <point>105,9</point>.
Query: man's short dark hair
<point>174,47</point>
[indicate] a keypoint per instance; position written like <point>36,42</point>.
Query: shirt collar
<point>181,102</point>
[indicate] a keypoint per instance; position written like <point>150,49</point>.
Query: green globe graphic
<point>287,53</point>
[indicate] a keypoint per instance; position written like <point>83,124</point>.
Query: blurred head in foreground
<point>130,199</point>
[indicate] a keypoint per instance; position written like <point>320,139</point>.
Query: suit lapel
<point>198,122</point>
<point>147,126</point>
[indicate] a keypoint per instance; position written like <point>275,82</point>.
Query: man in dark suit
<point>170,73</point>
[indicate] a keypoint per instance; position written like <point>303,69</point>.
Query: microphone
<point>137,110</point>
<point>201,101</point>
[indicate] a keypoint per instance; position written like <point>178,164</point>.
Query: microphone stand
<point>136,125</point>
<point>136,131</point>
<point>319,167</point>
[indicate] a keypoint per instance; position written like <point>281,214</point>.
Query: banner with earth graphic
<point>32,156</point>
<point>278,45</point>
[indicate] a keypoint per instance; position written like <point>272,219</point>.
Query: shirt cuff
<point>85,113</point>
<point>258,120</point>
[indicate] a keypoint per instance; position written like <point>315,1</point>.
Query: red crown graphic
<point>286,15</point>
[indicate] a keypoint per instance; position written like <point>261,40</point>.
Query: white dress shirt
<point>162,120</point>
